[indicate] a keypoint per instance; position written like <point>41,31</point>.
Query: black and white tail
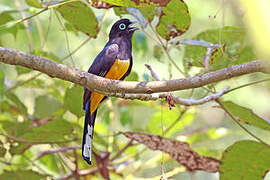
<point>88,130</point>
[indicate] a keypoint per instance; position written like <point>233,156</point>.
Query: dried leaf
<point>180,151</point>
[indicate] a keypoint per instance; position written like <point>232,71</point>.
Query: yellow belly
<point>117,71</point>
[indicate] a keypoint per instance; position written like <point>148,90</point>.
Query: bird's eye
<point>122,26</point>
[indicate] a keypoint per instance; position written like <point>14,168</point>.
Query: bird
<point>113,62</point>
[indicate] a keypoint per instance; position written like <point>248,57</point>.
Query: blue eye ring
<point>122,26</point>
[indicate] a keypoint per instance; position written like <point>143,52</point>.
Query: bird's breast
<point>117,71</point>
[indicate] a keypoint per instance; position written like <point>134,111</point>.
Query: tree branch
<point>51,151</point>
<point>111,87</point>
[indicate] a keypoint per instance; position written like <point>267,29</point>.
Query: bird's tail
<point>88,130</point>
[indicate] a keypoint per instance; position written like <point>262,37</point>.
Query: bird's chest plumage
<point>117,71</point>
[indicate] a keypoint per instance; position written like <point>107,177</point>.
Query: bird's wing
<point>101,65</point>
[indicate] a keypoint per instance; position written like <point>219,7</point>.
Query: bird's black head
<point>122,28</point>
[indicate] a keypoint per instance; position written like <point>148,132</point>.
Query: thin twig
<point>20,83</point>
<point>66,35</point>
<point>51,151</point>
<point>48,29</point>
<point>175,121</point>
<point>26,25</point>
<point>76,49</point>
<point>245,85</point>
<point>166,51</point>
<point>122,150</point>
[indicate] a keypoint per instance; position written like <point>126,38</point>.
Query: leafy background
<point>39,113</point>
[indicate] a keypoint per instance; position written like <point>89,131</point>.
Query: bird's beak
<point>132,28</point>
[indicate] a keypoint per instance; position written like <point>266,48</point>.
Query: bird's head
<point>122,28</point>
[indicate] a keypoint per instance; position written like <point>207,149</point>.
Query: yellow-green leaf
<point>21,174</point>
<point>246,115</point>
<point>249,160</point>
<point>81,17</point>
<point>174,20</point>
<point>33,3</point>
<point>73,100</point>
<point>232,44</point>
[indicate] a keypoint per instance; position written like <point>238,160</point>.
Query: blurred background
<point>54,107</point>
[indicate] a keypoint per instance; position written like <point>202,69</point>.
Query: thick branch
<point>108,86</point>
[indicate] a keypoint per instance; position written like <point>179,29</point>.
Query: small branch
<point>187,102</point>
<point>153,73</point>
<point>76,49</point>
<point>206,58</point>
<point>192,102</point>
<point>175,121</point>
<point>64,149</point>
<point>111,87</point>
<point>20,83</point>
<point>245,85</point>
<point>26,25</point>
<point>166,51</point>
<point>122,150</point>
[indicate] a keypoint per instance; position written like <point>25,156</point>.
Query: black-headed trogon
<point>113,62</point>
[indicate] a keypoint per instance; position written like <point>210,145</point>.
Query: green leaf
<point>69,27</point>
<point>174,20</point>
<point>33,3</point>
<point>50,132</point>
<point>5,19</point>
<point>17,102</point>
<point>2,150</point>
<point>245,115</point>
<point>15,128</point>
<point>119,11</point>
<point>158,53</point>
<point>133,3</point>
<point>22,70</point>
<point>73,100</point>
<point>18,148</point>
<point>21,174</point>
<point>46,105</point>
<point>247,160</point>
<point>246,55</point>
<point>167,117</point>
<point>50,161</point>
<point>148,12</point>
<point>81,17</point>
<point>133,76</point>
<point>125,117</point>
<point>232,43</point>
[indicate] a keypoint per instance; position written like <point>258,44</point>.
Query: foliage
<point>39,115</point>
<point>250,166</point>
